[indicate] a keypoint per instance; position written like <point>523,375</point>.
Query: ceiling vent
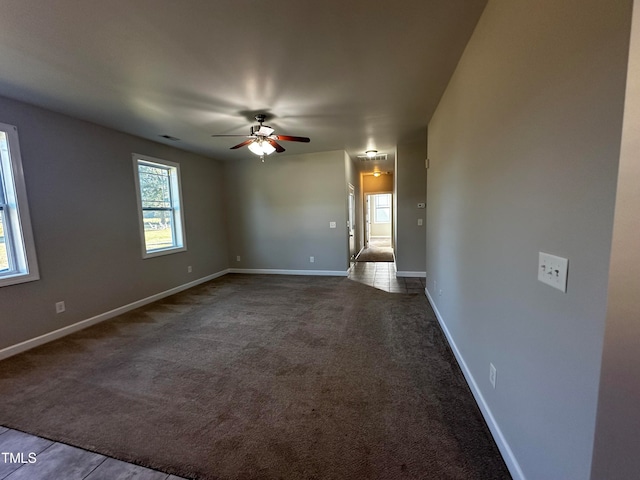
<point>378,157</point>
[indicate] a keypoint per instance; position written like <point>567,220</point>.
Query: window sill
<point>16,278</point>
<point>164,251</point>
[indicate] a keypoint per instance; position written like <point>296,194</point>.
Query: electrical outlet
<point>440,293</point>
<point>332,224</point>
<point>552,270</point>
<point>492,375</point>
<point>60,307</point>
<point>312,259</point>
<point>189,269</point>
<point>238,258</point>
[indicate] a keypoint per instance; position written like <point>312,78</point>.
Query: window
<point>382,208</point>
<point>159,206</point>
<point>17,251</point>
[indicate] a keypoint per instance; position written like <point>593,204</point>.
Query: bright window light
<point>159,206</point>
<point>18,262</point>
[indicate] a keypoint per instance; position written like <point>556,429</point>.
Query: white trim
<point>501,441</point>
<point>178,205</point>
<point>18,219</point>
<point>402,273</point>
<point>63,332</point>
<point>273,271</point>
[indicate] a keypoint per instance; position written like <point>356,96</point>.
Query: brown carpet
<point>375,254</point>
<point>254,377</point>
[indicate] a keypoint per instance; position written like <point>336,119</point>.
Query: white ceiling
<point>350,75</point>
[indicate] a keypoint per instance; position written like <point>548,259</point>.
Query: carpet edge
<point>502,443</point>
<point>25,345</point>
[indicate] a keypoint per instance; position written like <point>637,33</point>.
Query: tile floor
<point>382,275</point>
<point>53,460</point>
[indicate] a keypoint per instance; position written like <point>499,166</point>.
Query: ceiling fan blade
<point>246,142</point>
<point>289,138</point>
<point>265,131</point>
<point>279,148</point>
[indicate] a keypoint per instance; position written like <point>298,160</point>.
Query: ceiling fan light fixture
<point>256,148</point>
<point>261,147</point>
<point>371,153</point>
<point>267,148</point>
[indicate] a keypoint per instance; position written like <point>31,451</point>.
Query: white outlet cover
<point>553,270</point>
<point>332,224</point>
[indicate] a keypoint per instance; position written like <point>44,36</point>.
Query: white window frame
<point>376,207</point>
<point>176,200</point>
<point>21,250</point>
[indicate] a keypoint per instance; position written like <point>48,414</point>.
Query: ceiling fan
<point>262,141</point>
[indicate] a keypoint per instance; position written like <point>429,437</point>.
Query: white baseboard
<point>273,271</point>
<point>63,332</point>
<point>402,273</point>
<point>503,445</point>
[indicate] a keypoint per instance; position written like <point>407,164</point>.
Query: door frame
<point>367,220</point>
<point>351,221</point>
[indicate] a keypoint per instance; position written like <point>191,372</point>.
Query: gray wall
<point>524,151</point>
<point>79,180</point>
<point>410,182</point>
<point>279,212</point>
<point>616,455</point>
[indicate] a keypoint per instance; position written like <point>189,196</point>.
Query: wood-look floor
<point>27,457</point>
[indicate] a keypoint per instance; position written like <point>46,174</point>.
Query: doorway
<point>379,220</point>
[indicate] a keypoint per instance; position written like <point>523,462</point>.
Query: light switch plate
<point>553,270</point>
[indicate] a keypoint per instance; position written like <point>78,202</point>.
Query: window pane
<point>4,258</point>
<point>18,263</point>
<point>383,200</point>
<point>154,187</point>
<point>383,215</point>
<point>158,189</point>
<point>158,229</point>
